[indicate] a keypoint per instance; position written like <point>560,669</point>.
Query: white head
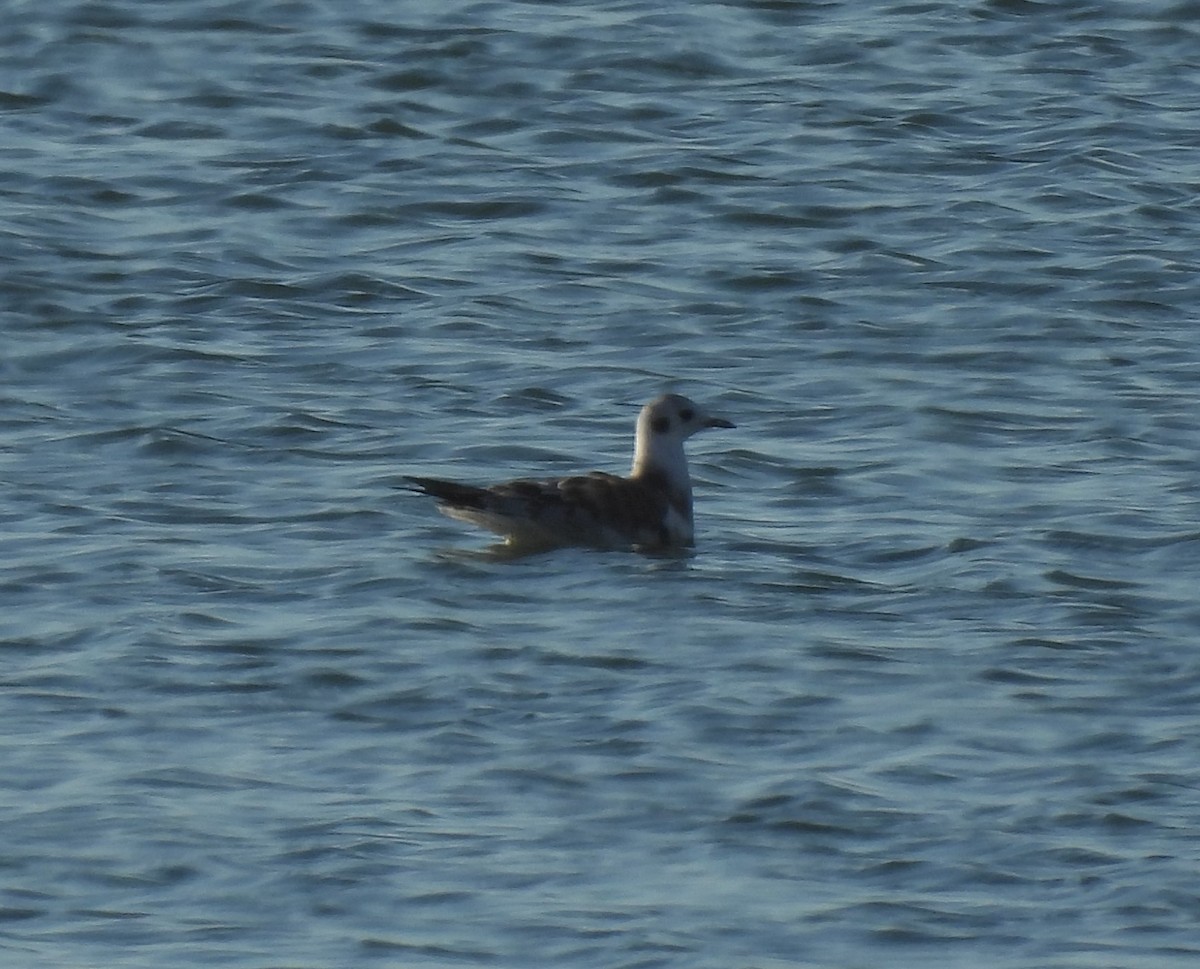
<point>662,427</point>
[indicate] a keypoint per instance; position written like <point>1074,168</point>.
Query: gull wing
<point>592,509</point>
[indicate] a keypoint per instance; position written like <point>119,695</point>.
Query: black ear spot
<point>687,414</point>
<point>660,425</point>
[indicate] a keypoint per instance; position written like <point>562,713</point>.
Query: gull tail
<point>481,507</point>
<point>449,492</point>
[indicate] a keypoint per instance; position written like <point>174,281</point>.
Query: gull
<point>650,509</point>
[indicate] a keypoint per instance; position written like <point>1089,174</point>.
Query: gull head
<point>674,416</point>
<point>663,425</point>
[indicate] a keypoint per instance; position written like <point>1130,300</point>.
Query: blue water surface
<point>925,694</point>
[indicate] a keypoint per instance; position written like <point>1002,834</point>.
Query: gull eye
<point>687,414</point>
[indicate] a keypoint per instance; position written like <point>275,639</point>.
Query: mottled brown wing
<point>594,509</point>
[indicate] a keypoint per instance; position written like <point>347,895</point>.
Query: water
<point>925,694</point>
